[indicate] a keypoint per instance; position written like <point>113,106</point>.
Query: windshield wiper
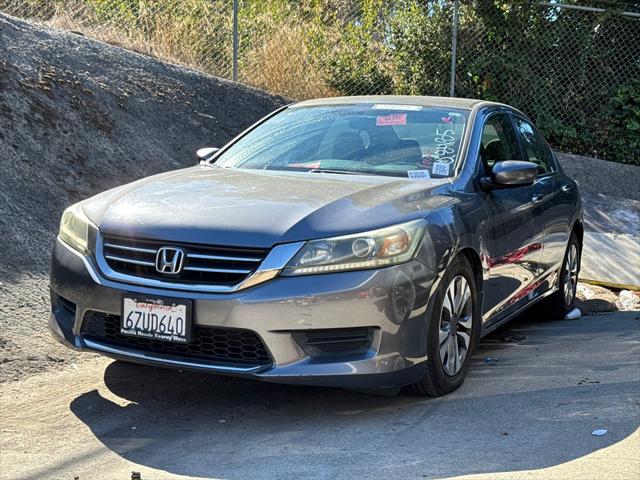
<point>329,170</point>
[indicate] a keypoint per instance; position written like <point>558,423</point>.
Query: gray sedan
<point>360,242</point>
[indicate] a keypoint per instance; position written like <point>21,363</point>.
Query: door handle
<point>565,188</point>
<point>537,198</point>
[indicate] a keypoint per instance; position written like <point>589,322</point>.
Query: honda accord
<point>358,242</point>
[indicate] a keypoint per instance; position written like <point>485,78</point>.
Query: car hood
<point>251,208</point>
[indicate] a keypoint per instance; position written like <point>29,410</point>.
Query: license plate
<point>156,318</point>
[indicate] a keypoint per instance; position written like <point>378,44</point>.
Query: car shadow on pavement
<point>534,394</point>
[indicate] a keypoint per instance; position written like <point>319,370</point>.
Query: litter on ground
<point>573,314</point>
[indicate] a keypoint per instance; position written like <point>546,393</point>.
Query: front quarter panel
<point>451,229</point>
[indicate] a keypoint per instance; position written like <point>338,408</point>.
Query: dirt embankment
<point>78,117</point>
<point>600,177</point>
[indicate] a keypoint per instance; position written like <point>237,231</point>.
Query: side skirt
<point>494,325</point>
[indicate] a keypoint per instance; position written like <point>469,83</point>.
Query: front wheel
<point>453,331</point>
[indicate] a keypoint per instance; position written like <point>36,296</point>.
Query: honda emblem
<point>169,260</point>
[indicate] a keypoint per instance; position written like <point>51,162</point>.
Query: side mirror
<point>204,154</point>
<point>511,173</point>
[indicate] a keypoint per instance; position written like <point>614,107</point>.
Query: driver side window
<point>498,142</point>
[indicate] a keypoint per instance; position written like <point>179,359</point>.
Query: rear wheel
<point>453,331</point>
<point>560,303</point>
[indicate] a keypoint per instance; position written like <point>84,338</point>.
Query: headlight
<point>74,229</point>
<point>378,248</point>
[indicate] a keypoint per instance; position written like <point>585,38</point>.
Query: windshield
<point>380,139</point>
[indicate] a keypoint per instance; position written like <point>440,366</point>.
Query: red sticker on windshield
<point>392,119</point>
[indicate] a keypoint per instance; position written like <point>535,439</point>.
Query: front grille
<point>334,342</point>
<point>211,344</point>
<point>204,265</point>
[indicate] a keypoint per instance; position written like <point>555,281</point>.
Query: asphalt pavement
<point>535,393</point>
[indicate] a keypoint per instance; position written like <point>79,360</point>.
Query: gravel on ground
<point>597,176</point>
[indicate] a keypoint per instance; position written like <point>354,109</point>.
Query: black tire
<point>436,381</point>
<point>557,305</point>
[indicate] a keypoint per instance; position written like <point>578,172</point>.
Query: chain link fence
<point>575,69</point>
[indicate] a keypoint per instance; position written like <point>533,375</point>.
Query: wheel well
<point>474,260</point>
<point>578,229</point>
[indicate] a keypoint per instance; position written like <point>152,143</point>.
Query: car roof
<point>452,102</point>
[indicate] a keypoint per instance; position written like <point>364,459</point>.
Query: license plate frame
<point>154,304</point>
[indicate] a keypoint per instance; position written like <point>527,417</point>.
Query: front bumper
<point>393,302</point>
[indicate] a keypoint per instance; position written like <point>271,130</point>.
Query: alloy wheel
<point>570,274</point>
<point>456,321</point>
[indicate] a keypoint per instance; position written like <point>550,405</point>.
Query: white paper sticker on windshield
<point>419,174</point>
<point>440,168</point>
<point>391,106</point>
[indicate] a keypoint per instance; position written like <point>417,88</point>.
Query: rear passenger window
<point>535,146</point>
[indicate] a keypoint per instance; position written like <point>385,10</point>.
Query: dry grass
<point>106,34</point>
<point>174,40</point>
<point>283,65</point>
<point>194,34</point>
